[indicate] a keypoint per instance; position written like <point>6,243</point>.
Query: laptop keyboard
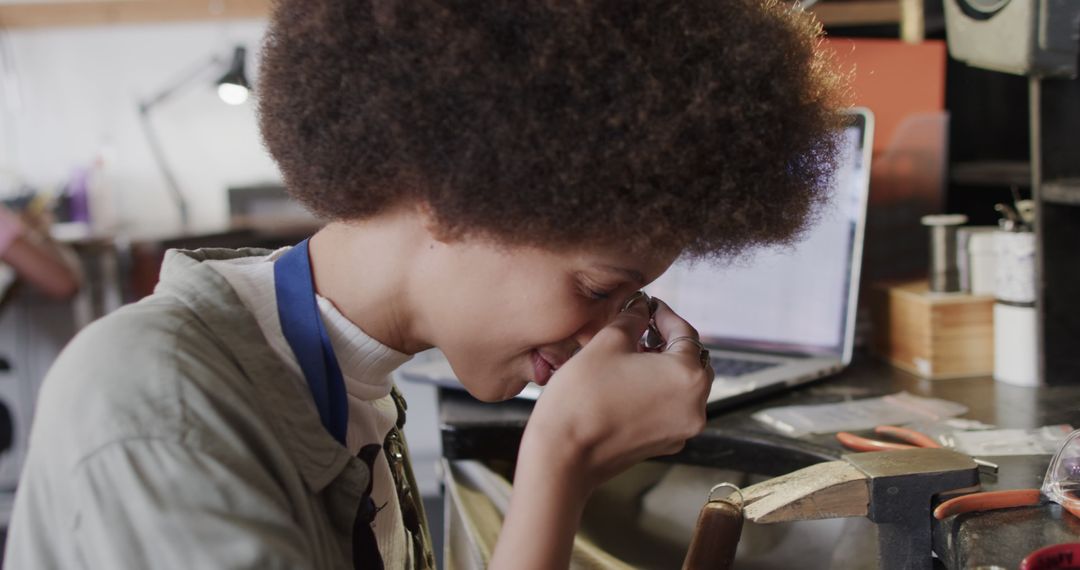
<point>734,367</point>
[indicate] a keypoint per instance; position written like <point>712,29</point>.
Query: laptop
<point>780,319</point>
<point>785,316</point>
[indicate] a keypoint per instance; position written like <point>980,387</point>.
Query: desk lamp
<point>233,88</point>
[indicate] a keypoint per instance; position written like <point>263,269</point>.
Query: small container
<point>1015,349</point>
<point>1015,321</point>
<point>1015,267</point>
<point>1054,557</point>
<point>977,259</point>
<point>944,274</point>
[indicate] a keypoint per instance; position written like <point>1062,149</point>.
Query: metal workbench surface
<point>733,439</point>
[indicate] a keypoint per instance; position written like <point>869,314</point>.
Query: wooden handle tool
<point>716,535</point>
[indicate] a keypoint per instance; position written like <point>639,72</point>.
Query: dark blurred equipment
<point>16,406</point>
<point>268,207</point>
<point>1039,39</point>
<point>7,426</point>
<point>1022,37</point>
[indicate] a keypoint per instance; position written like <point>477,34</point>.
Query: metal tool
<point>902,486</point>
<point>1024,209</point>
<point>1011,221</point>
<point>910,437</point>
<point>719,526</point>
<point>895,489</point>
<point>1061,485</point>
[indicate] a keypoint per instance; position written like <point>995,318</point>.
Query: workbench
<point>733,439</point>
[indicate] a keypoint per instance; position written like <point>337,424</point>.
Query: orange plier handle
<point>913,438</point>
<point>988,501</point>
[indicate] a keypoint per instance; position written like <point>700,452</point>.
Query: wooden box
<point>933,335</point>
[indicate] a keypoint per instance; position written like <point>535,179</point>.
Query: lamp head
<point>233,87</point>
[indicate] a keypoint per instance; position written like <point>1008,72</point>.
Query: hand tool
<point>912,439</point>
<point>894,489</point>
<point>1061,485</point>
<point>717,533</point>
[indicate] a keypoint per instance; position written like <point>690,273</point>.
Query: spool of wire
<point>944,273</point>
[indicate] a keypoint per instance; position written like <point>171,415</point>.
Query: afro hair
<point>702,126</point>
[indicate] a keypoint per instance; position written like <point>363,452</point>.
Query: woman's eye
<point>598,295</point>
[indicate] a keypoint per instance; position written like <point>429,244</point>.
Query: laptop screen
<point>797,298</point>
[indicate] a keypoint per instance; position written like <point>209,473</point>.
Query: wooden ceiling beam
<point>111,12</point>
<point>908,14</point>
<point>28,14</point>
<point>857,13</point>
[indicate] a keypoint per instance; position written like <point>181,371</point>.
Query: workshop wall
<point>70,96</point>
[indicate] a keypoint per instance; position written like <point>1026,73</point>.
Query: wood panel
<point>839,13</point>
<point>857,13</point>
<point>98,12</point>
<point>908,14</point>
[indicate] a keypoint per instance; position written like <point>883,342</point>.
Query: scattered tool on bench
<point>911,438</point>
<point>1061,485</point>
<point>718,529</point>
<point>894,489</point>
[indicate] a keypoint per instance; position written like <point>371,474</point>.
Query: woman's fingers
<point>672,326</point>
<point>690,349</point>
<point>661,397</point>
<point>623,334</point>
<point>682,339</point>
<point>625,330</point>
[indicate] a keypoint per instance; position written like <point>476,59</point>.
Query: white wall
<point>71,94</point>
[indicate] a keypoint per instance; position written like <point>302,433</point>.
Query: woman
<point>499,178</point>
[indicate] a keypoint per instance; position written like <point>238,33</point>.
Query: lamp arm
<point>146,104</point>
<point>166,171</point>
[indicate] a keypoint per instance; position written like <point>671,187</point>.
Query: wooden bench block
<point>933,335</point>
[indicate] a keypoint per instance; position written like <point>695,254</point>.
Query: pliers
<point>912,439</point>
<point>1061,485</point>
<point>992,500</point>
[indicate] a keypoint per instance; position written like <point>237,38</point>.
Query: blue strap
<point>302,324</point>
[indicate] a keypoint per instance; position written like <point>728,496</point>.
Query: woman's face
<point>505,317</point>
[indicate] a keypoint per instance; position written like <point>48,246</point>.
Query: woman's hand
<point>607,408</point>
<point>611,406</point>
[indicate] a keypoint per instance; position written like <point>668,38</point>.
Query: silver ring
<point>634,299</point>
<point>703,354</point>
<point>679,338</point>
<point>736,491</point>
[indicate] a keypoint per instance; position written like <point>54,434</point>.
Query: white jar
<point>1015,322</point>
<point>1014,267</point>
